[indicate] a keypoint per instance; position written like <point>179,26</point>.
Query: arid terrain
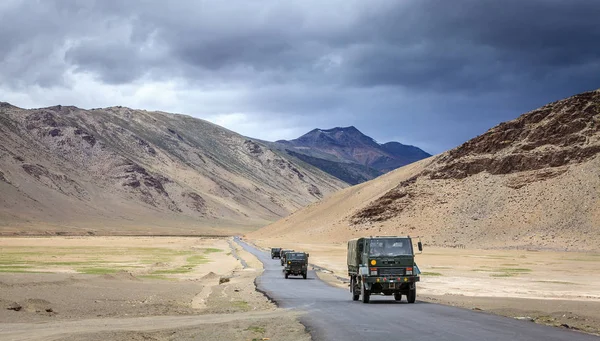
<point>135,288</point>
<point>510,220</point>
<point>117,170</point>
<point>531,183</point>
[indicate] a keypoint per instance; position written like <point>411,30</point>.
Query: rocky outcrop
<point>538,145</point>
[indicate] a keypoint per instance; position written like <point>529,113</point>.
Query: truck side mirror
<point>420,245</point>
<point>308,254</point>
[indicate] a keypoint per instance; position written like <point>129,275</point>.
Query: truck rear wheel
<point>366,294</point>
<point>286,275</point>
<point>398,296</point>
<point>304,275</point>
<point>412,295</point>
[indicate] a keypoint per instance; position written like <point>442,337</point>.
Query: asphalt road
<point>332,315</point>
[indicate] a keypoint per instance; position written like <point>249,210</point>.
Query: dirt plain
<point>561,289</point>
<point>135,288</point>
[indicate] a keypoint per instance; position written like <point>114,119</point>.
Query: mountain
<point>119,170</point>
<point>533,183</point>
<point>348,154</point>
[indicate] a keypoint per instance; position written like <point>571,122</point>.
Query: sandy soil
<point>524,210</point>
<point>558,287</point>
<point>159,288</point>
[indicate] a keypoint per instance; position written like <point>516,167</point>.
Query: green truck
<point>282,255</point>
<point>383,265</point>
<point>275,252</point>
<point>296,263</point>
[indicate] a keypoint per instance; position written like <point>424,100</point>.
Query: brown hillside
<point>118,170</point>
<point>533,182</point>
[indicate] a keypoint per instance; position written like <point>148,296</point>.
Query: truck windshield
<point>390,247</point>
<point>295,256</point>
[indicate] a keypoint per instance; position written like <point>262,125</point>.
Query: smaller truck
<point>296,263</point>
<point>282,255</point>
<point>275,252</point>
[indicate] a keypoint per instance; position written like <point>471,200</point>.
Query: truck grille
<point>391,271</point>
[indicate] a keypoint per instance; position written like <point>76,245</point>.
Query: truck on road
<point>282,255</point>
<point>383,265</point>
<point>296,263</point>
<point>275,252</point>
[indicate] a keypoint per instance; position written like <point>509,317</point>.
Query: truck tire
<point>412,295</point>
<point>355,294</point>
<point>366,294</point>
<point>398,296</point>
<point>286,275</point>
<point>304,275</point>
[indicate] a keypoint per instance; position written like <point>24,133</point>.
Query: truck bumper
<point>295,271</point>
<point>389,282</point>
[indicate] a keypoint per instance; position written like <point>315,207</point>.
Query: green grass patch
<point>196,260</point>
<point>483,269</point>
<point>503,274</point>
<point>509,272</point>
<point>427,273</point>
<point>241,304</point>
<point>256,329</point>
<point>520,270</point>
<point>558,282</point>
<point>16,268</point>
<point>212,250</point>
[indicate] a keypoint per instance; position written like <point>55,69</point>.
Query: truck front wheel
<point>286,275</point>
<point>366,294</point>
<point>304,275</point>
<point>355,293</point>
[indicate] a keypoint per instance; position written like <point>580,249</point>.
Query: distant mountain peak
<point>335,129</point>
<point>350,146</point>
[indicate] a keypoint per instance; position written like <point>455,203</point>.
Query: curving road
<point>332,315</point>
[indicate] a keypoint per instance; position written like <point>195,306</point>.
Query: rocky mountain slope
<point>348,154</point>
<point>120,170</point>
<point>533,182</point>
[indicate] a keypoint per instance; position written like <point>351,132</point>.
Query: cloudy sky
<point>431,73</point>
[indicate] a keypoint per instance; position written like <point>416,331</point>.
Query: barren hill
<point>533,182</point>
<point>118,170</point>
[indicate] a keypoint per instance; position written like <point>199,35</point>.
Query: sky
<point>430,73</point>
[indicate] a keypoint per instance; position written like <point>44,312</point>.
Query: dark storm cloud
<point>429,72</point>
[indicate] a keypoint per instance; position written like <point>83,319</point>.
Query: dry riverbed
<point>556,288</point>
<point>134,288</point>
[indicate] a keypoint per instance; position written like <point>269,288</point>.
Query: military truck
<point>282,255</point>
<point>275,252</point>
<point>383,265</point>
<point>296,263</point>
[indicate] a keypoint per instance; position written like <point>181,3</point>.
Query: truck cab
<point>383,265</point>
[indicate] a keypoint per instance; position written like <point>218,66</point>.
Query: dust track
<point>59,329</point>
